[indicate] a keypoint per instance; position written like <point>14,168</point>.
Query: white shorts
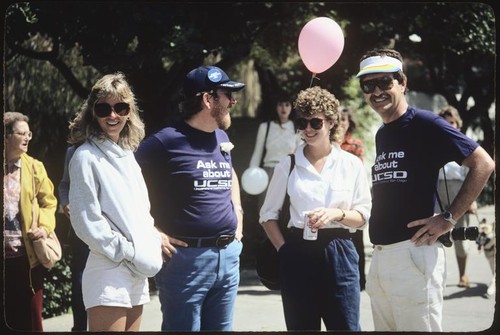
<point>405,284</point>
<point>106,283</point>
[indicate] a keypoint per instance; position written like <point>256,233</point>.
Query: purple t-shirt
<point>409,153</point>
<point>189,179</point>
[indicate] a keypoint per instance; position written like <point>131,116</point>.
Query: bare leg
<point>464,281</point>
<point>134,317</point>
<point>106,318</point>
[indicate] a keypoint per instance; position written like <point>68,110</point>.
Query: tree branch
<point>53,58</point>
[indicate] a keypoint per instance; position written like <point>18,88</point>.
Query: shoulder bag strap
<point>265,141</point>
<point>286,203</point>
<point>34,223</point>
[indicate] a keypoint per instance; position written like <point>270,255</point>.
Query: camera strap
<point>447,193</point>
<point>446,186</point>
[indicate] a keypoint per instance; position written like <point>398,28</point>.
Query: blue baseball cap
<point>208,78</point>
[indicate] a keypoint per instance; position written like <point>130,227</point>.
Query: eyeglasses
<point>104,109</point>
<point>384,83</point>
<point>228,94</point>
<point>316,123</point>
<point>27,134</point>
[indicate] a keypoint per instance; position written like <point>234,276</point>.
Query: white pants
<point>405,284</point>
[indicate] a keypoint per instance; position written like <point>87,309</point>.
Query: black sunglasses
<point>384,83</point>
<point>104,109</point>
<point>228,94</point>
<point>316,123</point>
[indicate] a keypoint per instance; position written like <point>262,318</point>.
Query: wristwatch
<point>449,217</point>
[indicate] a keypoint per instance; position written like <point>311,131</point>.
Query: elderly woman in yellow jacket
<point>24,179</point>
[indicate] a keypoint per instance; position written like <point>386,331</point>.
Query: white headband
<point>378,64</point>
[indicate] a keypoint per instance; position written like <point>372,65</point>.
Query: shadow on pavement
<point>476,290</point>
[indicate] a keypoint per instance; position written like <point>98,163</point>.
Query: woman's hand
<point>321,216</point>
<point>37,233</point>
<point>66,210</point>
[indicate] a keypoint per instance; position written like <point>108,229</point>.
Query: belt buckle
<point>223,241</point>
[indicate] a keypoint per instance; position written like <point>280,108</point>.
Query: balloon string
<point>312,79</point>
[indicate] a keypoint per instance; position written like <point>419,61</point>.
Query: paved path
<point>258,309</point>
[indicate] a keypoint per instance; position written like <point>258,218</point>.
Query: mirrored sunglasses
<point>384,83</point>
<point>104,109</point>
<point>316,123</point>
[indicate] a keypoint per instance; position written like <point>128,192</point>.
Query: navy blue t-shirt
<point>189,180</point>
<point>409,153</point>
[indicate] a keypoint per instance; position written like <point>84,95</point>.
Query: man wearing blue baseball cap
<point>407,274</point>
<point>195,200</point>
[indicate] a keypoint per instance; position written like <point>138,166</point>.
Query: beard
<point>221,116</point>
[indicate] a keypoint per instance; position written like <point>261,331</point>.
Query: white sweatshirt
<point>110,208</point>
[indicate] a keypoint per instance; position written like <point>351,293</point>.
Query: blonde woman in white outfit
<point>275,140</point>
<point>110,207</point>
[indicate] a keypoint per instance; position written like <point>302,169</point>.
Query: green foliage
<point>57,289</point>
<point>35,88</point>
<point>366,119</point>
<point>56,50</point>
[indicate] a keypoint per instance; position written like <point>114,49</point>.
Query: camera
<point>459,234</point>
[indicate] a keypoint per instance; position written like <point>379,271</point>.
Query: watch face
<point>447,215</point>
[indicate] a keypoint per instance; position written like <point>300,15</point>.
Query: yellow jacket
<point>47,202</point>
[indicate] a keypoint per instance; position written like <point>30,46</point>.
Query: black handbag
<point>267,264</point>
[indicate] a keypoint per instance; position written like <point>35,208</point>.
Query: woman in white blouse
<point>329,192</point>
<point>275,140</point>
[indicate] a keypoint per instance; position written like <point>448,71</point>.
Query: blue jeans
<point>197,288</point>
<point>320,281</point>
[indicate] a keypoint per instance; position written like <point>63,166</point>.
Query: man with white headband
<point>407,274</point>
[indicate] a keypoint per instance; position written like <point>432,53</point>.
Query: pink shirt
<point>12,193</point>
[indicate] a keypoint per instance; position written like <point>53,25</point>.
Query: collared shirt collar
<point>11,167</point>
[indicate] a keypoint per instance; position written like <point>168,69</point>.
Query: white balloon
<point>254,180</point>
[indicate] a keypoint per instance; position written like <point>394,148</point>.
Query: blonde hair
<point>85,124</point>
<point>450,111</point>
<point>316,100</point>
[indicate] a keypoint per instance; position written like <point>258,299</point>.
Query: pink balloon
<point>321,42</point>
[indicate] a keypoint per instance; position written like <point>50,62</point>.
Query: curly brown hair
<point>316,100</point>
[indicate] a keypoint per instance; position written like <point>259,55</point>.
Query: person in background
<point>197,207</point>
<point>275,139</point>
<point>79,251</point>
<point>354,146</point>
<point>24,180</point>
<point>330,195</point>
<point>350,144</point>
<point>110,209</point>
<point>407,274</point>
<point>451,178</point>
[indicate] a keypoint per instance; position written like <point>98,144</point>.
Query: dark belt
<point>221,241</point>
<point>327,233</point>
